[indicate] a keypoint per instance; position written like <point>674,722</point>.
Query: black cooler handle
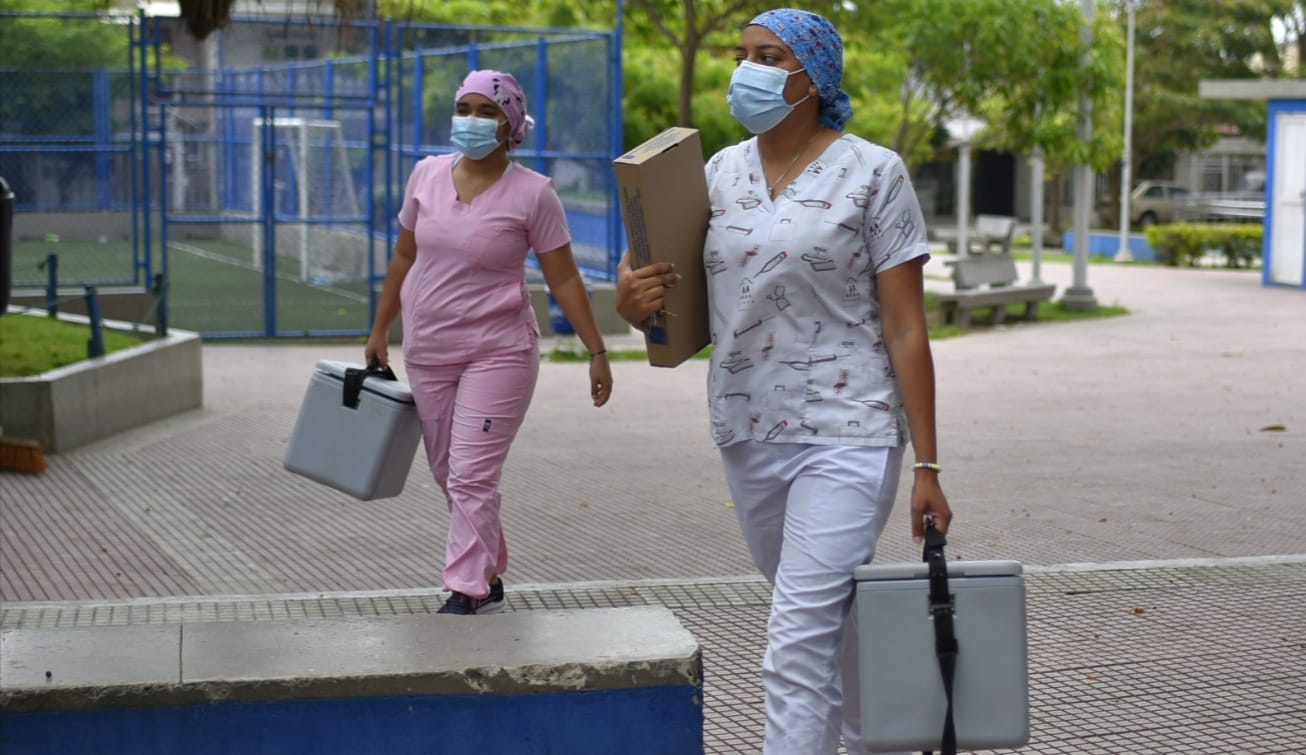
<point>945,638</point>
<point>354,377</point>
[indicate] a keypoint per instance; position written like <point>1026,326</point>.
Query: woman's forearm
<point>565,283</point>
<point>574,300</point>
<point>914,365</point>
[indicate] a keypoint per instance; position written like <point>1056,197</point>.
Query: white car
<point>1154,202</point>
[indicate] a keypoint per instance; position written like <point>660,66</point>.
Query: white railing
<point>1221,206</point>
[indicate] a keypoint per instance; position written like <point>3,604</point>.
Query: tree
<point>1016,64</point>
<point>687,26</point>
<point>1291,18</point>
<point>1038,108</point>
<point>60,67</point>
<point>1179,43</point>
<point>39,42</point>
<point>70,49</point>
<point>1001,58</point>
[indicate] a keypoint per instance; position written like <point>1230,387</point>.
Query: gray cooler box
<point>903,701</point>
<point>364,450</point>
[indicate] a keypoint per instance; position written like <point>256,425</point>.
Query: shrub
<point>1186,243</point>
<point>1242,244</point>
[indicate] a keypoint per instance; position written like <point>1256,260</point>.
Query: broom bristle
<point>19,455</point>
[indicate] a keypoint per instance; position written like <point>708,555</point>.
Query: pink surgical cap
<point>504,90</point>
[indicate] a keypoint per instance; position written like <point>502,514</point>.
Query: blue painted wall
<point>640,721</point>
<point>1103,244</point>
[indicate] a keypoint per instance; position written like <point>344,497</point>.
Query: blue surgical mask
<point>757,98</point>
<point>475,137</point>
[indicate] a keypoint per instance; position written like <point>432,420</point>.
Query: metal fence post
<point>6,244</point>
<point>160,292</point>
<point>51,266</point>
<point>95,346</point>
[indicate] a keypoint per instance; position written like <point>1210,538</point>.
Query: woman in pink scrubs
<point>470,337</point>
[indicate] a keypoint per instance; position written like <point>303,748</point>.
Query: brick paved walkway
<point>1115,441</point>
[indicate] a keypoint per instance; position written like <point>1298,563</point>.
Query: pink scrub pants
<point>470,414</point>
<point>810,516</point>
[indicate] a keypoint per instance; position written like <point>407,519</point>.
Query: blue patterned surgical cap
<point>819,48</point>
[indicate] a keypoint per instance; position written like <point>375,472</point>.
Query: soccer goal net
<point>314,198</point>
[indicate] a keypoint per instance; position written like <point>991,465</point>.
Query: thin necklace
<point>770,189</point>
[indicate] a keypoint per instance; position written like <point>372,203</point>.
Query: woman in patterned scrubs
<point>821,370</point>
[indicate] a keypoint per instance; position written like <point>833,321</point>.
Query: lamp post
<point>1123,254</point>
<point>963,130</point>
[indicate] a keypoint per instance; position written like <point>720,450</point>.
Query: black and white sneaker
<point>463,605</point>
<point>494,602</point>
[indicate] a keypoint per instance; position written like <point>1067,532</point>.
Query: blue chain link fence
<point>251,180</point>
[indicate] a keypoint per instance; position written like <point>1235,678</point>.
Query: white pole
<point>1126,184</point>
<point>963,199</point>
<point>1079,295</point>
<point>1036,182</point>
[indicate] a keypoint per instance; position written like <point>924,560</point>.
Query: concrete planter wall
<point>603,300</point>
<point>94,399</point>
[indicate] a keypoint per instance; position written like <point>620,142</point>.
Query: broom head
<point>19,455</point>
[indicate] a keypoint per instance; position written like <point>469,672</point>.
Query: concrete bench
<point>988,231</point>
<point>989,281</point>
<point>995,230</point>
<point>601,680</point>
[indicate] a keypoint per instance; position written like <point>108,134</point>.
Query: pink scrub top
<point>465,295</point>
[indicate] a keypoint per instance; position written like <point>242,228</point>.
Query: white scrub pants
<point>811,515</point>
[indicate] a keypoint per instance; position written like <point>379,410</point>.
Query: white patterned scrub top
<point>798,353</point>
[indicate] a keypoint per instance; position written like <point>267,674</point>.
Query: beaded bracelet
<point>927,465</point>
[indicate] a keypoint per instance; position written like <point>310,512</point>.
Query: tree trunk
<point>1117,176</point>
<point>203,17</point>
<point>1054,213</point>
<point>685,106</point>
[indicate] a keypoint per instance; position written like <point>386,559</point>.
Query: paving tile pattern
<point>1205,660</point>
<point>1117,440</point>
<point>1112,440</point>
<point>202,505</point>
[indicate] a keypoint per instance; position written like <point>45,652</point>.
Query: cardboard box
<point>665,207</point>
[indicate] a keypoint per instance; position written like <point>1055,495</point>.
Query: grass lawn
<point>32,345</point>
<point>1048,311</point>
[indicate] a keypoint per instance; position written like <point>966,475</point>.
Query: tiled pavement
<point>1167,659</point>
<point>1137,442</point>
